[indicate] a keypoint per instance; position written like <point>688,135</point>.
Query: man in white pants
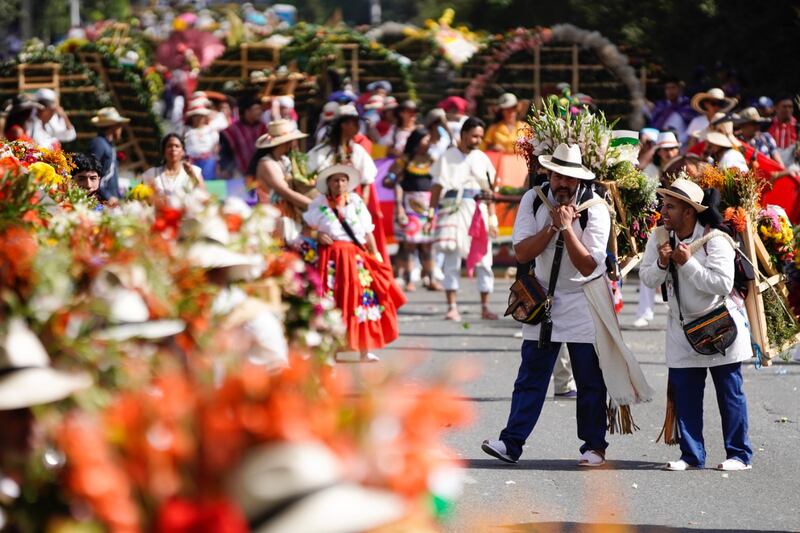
<point>461,177</point>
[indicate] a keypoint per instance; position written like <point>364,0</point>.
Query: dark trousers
<point>530,391</point>
<point>688,385</point>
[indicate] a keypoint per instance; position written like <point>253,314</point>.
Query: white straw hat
<point>566,160</point>
<point>108,116</point>
<point>279,132</point>
<point>686,191</point>
<point>667,139</point>
<point>507,100</point>
<point>26,377</point>
<point>354,177</point>
<point>713,94</point>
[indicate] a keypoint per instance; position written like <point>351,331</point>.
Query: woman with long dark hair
<point>272,169</point>
<point>412,207</point>
<point>175,176</point>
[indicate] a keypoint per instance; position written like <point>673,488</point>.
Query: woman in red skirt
<point>352,271</point>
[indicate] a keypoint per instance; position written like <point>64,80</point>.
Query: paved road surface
<point>547,492</point>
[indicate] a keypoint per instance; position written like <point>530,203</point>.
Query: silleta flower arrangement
<point>197,354</point>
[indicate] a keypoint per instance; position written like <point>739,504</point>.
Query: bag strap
<point>673,270</point>
<point>556,266</point>
<point>348,229</point>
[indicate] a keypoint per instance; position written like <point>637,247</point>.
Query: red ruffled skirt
<point>364,291</point>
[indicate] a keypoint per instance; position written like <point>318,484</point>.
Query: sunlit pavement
<point>546,491</point>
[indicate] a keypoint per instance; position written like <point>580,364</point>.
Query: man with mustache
<point>576,220</point>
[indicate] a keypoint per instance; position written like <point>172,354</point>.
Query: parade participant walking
<point>502,135</point>
<point>721,148</point>
<point>238,141</point>
<point>201,140</point>
<point>708,104</point>
<point>412,207</point>
<point>109,123</point>
<point>674,112</point>
<point>352,271</point>
<point>749,124</point>
<point>567,236</point>
<point>697,265</point>
<point>395,139</point>
<point>50,126</point>
<point>340,147</point>
<point>784,129</point>
<point>272,170</point>
<point>465,224</point>
<point>175,176</point>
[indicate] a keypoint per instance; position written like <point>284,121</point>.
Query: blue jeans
<point>530,391</point>
<point>688,385</point>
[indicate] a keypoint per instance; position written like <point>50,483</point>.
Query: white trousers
<point>452,272</point>
<point>647,299</point>
<point>562,373</point>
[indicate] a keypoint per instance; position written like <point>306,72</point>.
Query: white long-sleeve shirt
<point>705,281</point>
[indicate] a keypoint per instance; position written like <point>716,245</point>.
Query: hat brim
<point>281,139</point>
<point>668,144</point>
<point>212,256</point>
<point>697,100</point>
<point>152,329</point>
<point>101,122</point>
<point>353,177</point>
<point>350,507</point>
<point>31,386</point>
<point>198,113</point>
<point>666,192</point>
<point>717,139</point>
<point>581,173</point>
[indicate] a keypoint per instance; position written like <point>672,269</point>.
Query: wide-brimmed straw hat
<point>667,139</point>
<point>375,102</point>
<point>353,177</point>
<point>686,191</point>
<point>197,110</point>
<point>507,101</point>
<point>212,255</point>
<point>713,94</point>
<point>750,114</point>
<point>108,116</point>
<point>279,132</point>
<point>26,377</point>
<point>566,160</point>
<point>299,487</point>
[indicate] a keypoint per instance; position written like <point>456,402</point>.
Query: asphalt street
<point>546,491</point>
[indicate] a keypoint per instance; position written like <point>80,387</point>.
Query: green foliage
<point>780,327</point>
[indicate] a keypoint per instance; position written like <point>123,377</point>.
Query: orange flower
<point>711,177</point>
<point>234,222</point>
<point>737,218</point>
<point>17,251</point>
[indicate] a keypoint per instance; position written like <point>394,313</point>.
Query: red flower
<point>167,221</point>
<point>121,157</point>
<point>214,516</point>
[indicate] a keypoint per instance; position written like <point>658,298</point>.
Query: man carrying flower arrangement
<point>567,236</point>
<point>706,330</point>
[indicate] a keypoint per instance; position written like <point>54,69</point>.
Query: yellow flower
<point>141,192</point>
<point>45,174</point>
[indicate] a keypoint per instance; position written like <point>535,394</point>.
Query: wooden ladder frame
<point>758,255</point>
<point>94,61</point>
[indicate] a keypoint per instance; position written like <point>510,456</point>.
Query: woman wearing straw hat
<point>352,271</point>
<point>697,265</point>
<point>272,170</point>
<point>750,125</point>
<point>502,135</point>
<point>175,176</point>
<point>708,104</point>
<point>109,124</point>
<point>201,140</point>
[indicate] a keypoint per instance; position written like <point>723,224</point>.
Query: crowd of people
<point>444,217</point>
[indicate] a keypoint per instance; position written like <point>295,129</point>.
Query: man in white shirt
<point>537,235</point>
<point>50,126</point>
<point>461,175</point>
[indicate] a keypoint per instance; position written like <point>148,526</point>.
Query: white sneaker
<point>497,449</point>
<point>640,323</point>
<point>592,458</point>
<point>733,465</point>
<point>678,466</point>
